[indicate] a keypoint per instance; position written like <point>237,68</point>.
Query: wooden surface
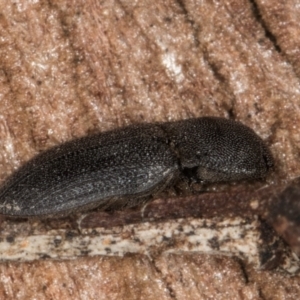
<point>71,68</point>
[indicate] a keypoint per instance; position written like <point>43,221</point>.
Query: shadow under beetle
<point>123,167</point>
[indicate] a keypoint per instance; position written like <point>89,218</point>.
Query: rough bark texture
<point>70,68</point>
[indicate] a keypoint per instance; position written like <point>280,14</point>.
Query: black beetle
<point>125,166</point>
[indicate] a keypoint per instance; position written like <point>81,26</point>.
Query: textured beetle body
<point>125,166</point>
<point>219,149</point>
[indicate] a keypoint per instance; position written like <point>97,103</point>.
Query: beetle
<point>127,166</point>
